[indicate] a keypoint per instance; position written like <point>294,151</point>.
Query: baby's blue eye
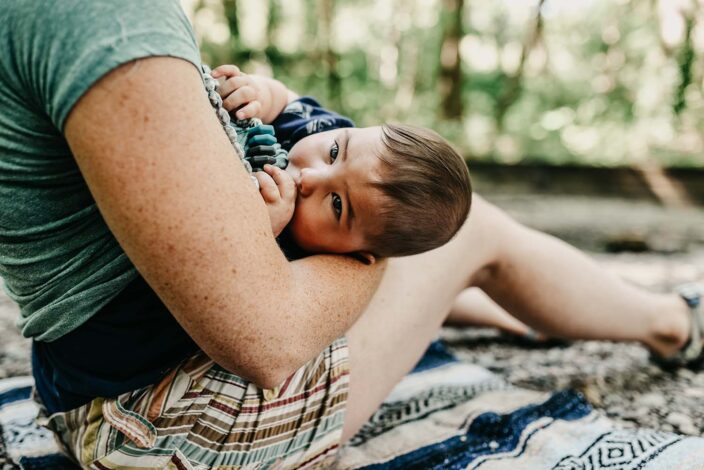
<point>334,150</point>
<point>337,205</point>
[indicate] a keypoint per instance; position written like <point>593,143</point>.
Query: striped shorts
<point>201,416</point>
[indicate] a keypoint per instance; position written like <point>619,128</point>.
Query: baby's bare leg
<point>544,282</point>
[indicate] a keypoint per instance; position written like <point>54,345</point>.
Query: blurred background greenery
<point>591,82</point>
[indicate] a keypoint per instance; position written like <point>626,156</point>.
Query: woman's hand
<point>279,192</point>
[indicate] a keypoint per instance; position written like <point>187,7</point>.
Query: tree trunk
<point>334,83</point>
<point>272,22</point>
<point>513,86</point>
<point>450,61</point>
<point>685,61</point>
<point>239,54</point>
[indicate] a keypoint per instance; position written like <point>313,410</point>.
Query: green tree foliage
<point>597,82</point>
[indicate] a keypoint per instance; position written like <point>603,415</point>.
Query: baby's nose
<point>308,180</point>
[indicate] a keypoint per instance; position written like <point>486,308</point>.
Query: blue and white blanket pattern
<point>444,415</point>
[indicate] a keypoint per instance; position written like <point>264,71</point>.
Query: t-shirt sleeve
<point>68,45</point>
<point>303,117</point>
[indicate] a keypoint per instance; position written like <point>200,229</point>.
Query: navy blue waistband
<point>131,343</point>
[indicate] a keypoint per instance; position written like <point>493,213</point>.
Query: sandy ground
<point>618,378</point>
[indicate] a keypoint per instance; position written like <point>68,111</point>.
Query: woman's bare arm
<point>183,208</point>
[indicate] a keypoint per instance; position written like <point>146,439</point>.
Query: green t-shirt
<point>58,259</point>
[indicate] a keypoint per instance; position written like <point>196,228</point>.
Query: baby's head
<point>393,190</point>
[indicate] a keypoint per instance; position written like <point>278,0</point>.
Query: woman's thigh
<point>409,307</point>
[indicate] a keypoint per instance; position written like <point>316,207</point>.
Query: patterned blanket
<point>444,415</point>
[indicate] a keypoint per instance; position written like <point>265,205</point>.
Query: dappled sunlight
<point>594,81</point>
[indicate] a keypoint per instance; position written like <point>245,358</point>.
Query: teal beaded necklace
<point>254,142</point>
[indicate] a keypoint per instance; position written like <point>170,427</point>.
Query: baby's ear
<point>367,257</point>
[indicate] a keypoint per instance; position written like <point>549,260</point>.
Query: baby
<point>389,190</point>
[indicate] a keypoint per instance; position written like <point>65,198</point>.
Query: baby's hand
<point>279,192</point>
<point>239,92</point>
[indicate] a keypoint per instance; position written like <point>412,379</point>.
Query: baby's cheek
<point>298,227</point>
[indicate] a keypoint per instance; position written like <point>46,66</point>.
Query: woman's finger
<point>226,70</point>
<point>284,182</point>
<point>239,98</point>
<point>267,187</point>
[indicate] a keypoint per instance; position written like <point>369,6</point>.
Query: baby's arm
<point>279,193</point>
<point>251,96</point>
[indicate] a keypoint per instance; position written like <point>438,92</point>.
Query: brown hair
<point>427,188</point>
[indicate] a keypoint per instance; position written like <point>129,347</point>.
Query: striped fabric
<point>201,416</point>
